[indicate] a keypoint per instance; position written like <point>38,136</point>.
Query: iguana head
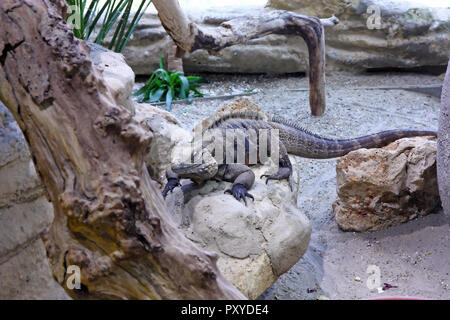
<point>198,169</point>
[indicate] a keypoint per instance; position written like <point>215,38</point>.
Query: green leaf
<point>194,79</point>
<point>138,15</point>
<point>169,97</point>
<point>167,86</point>
<point>122,25</point>
<point>184,87</point>
<point>174,77</point>
<point>197,93</point>
<point>140,91</point>
<point>157,94</point>
<point>104,15</point>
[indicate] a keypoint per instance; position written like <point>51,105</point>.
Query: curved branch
<point>189,36</point>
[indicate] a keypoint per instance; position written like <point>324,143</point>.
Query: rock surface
<point>24,213</point>
<point>379,188</point>
<point>405,35</point>
<point>443,149</point>
<point>168,136</point>
<point>255,243</point>
<point>118,75</point>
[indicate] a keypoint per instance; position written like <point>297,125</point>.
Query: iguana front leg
<point>173,181</point>
<point>242,178</point>
<point>197,172</point>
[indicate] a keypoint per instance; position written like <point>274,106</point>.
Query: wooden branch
<point>174,63</point>
<point>189,36</point>
<point>110,218</point>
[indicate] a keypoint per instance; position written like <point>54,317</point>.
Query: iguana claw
<point>172,183</point>
<point>283,173</point>
<point>239,191</point>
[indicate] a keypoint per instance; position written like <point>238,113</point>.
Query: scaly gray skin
<point>293,139</point>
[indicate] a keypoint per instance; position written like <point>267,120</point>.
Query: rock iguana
<point>246,117</point>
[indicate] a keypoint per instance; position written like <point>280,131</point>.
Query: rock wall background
<point>24,213</point>
<point>405,36</point>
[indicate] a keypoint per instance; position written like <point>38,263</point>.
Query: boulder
<point>168,137</point>
<point>115,71</point>
<point>255,243</point>
<point>379,33</point>
<point>443,149</point>
<point>382,187</point>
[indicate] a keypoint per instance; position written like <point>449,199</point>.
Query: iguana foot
<point>172,183</point>
<point>239,191</point>
<point>283,173</point>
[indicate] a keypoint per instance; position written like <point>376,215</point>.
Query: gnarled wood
<point>174,63</point>
<point>110,218</point>
<point>190,36</point>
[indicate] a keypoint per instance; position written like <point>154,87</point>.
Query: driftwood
<point>190,36</point>
<point>110,218</point>
<point>174,63</point>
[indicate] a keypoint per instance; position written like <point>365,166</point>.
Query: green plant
<point>167,86</point>
<point>88,14</point>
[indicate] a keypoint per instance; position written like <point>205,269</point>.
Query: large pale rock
<point>443,149</point>
<point>115,71</point>
<point>255,243</point>
<point>407,35</point>
<point>168,137</point>
<point>378,188</point>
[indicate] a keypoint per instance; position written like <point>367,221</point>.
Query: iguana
<point>245,116</point>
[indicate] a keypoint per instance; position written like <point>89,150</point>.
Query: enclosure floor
<point>414,256</point>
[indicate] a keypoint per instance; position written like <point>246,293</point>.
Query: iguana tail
<point>301,142</point>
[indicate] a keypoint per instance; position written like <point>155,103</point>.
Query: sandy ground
<point>414,257</point>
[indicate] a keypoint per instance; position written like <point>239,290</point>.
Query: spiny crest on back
<point>295,125</point>
<point>240,108</point>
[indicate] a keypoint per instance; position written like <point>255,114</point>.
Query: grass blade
<point>137,17</point>
<point>169,98</point>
